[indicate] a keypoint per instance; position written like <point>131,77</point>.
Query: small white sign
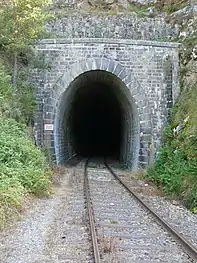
<point>48,127</point>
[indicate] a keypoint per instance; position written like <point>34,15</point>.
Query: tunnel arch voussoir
<point>109,65</point>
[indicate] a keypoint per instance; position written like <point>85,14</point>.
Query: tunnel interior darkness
<point>97,117</point>
<point>96,121</point>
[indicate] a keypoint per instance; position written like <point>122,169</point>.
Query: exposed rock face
<point>125,4</point>
<point>191,77</point>
<point>144,2</point>
<point>194,53</point>
<point>91,4</point>
<point>114,4</point>
<point>186,19</point>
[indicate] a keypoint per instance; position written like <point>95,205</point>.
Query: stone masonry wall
<point>120,26</point>
<point>142,63</point>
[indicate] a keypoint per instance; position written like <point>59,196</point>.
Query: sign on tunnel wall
<point>48,127</point>
<point>147,70</point>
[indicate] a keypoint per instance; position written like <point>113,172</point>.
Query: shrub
<point>23,169</point>
<point>22,164</point>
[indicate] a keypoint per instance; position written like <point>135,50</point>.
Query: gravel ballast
<point>55,229</point>
<point>183,220</point>
<point>127,232</point>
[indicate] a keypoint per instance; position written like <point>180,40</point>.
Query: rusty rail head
<point>186,245</point>
<point>91,217</point>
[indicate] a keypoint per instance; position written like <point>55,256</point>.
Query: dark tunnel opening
<point>97,116</point>
<point>96,121</point>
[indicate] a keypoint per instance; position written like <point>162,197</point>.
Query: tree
<point>21,22</point>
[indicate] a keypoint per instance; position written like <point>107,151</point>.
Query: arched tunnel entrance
<point>97,117</point>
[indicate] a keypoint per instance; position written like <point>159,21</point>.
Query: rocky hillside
<point>149,6</point>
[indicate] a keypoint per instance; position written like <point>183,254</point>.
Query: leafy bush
<point>22,164</point>
<point>16,102</point>
<point>11,196</point>
<point>23,168</point>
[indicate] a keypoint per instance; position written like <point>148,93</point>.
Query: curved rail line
<point>186,245</point>
<point>96,252</point>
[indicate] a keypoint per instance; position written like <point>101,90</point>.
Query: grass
<point>140,10</point>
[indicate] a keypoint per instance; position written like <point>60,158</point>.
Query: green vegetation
<point>21,22</point>
<point>23,166</point>
<point>17,102</point>
<point>176,167</point>
<point>140,10</point>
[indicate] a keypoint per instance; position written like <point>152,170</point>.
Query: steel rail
<point>91,217</point>
<point>186,245</point>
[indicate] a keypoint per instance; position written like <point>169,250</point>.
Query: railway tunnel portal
<point>102,98</point>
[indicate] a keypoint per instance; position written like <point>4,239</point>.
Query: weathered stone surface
<point>195,9</point>
<point>123,3</point>
<point>191,77</point>
<point>194,53</point>
<point>101,4</point>
<point>120,26</point>
<point>144,2</point>
<point>182,16</point>
<point>146,82</point>
<point>100,40</point>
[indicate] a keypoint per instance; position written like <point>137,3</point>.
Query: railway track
<point>93,217</point>
<point>123,228</point>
